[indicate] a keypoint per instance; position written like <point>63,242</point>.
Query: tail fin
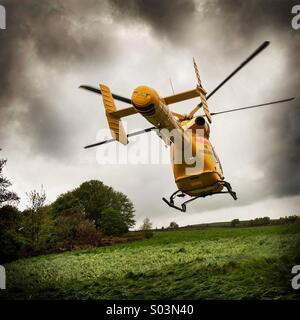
<point>202,92</point>
<point>197,73</point>
<point>114,122</point>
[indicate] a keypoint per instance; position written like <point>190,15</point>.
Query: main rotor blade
<point>253,55</point>
<point>128,135</point>
<point>254,106</point>
<point>115,96</point>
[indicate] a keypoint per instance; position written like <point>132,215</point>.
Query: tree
<point>96,197</point>
<point>173,225</point>
<point>126,208</point>
<point>235,222</point>
<point>112,212</point>
<point>6,196</point>
<point>146,227</point>
<point>112,222</point>
<point>289,219</point>
<point>66,203</point>
<point>37,224</point>
<point>147,224</point>
<point>10,246</point>
<point>9,217</point>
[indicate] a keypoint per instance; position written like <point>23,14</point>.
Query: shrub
<point>148,234</point>
<point>87,233</point>
<point>74,229</point>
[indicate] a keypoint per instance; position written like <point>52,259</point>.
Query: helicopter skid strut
<point>182,194</point>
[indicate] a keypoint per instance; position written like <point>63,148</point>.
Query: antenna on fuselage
<point>171,85</point>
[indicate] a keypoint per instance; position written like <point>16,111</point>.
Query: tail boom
<point>114,122</point>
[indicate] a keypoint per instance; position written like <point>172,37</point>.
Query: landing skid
<point>182,194</point>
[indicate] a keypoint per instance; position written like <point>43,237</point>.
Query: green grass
<point>211,263</point>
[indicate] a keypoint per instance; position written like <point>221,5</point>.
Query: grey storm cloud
<point>59,35</point>
<point>167,18</point>
<point>246,17</point>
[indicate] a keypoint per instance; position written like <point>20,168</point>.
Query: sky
<point>50,48</point>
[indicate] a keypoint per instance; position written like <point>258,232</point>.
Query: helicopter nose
<point>143,96</point>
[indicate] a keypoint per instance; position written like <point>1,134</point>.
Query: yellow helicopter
<point>201,180</point>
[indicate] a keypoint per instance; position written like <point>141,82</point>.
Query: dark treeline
<point>265,221</point>
<point>261,221</point>
<point>85,216</point>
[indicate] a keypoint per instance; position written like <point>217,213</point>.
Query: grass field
<point>211,263</point>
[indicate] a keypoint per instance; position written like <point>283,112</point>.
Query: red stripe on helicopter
<point>202,140</point>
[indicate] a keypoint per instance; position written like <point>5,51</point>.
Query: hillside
<point>210,263</point>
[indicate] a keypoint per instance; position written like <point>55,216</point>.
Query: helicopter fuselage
<point>200,177</point>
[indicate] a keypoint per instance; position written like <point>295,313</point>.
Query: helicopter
<point>192,180</point>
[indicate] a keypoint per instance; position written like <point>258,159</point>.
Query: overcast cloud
<point>51,47</point>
